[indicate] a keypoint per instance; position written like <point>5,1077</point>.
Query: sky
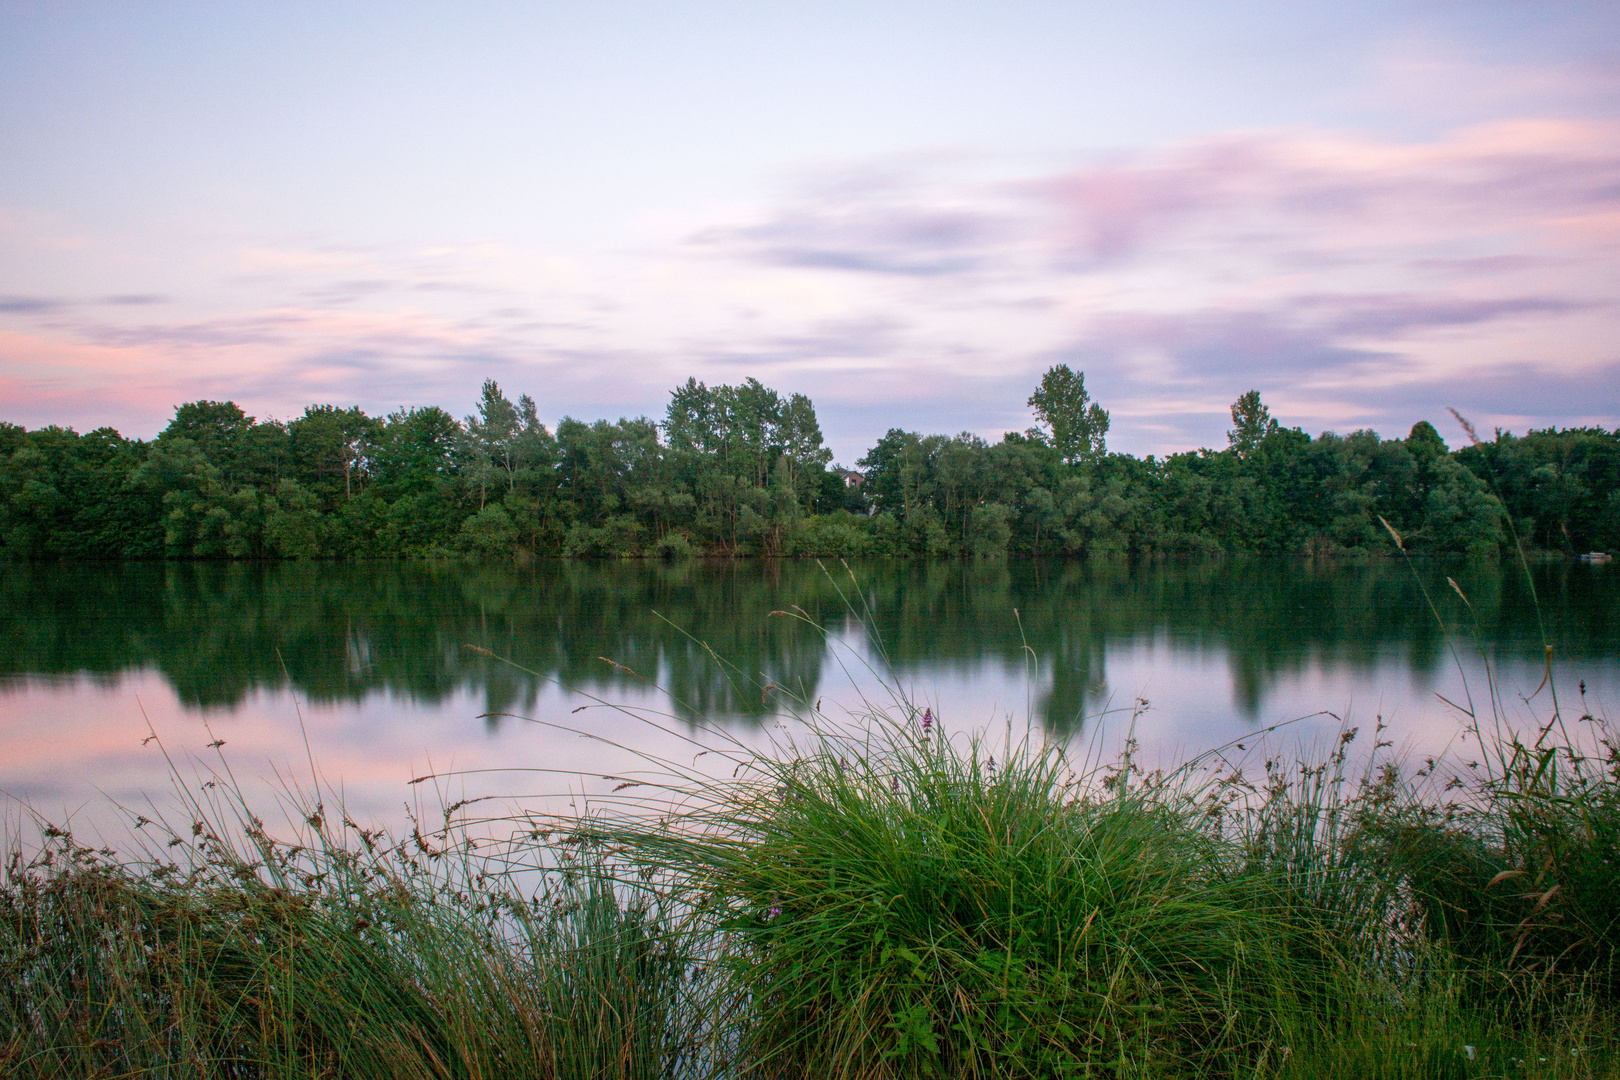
<point>907,211</point>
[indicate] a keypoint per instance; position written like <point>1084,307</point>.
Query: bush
<point>833,536</point>
<point>918,908</point>
<point>1546,831</point>
<point>292,524</point>
<point>490,533</point>
<point>674,545</point>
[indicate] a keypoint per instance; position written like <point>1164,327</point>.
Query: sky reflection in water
<point>374,656</point>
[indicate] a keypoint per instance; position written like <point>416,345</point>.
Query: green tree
<point>327,443</point>
<point>600,465</point>
<point>489,533</point>
<point>1424,443</point>
<point>1251,423</point>
<point>533,447</point>
<point>890,472</point>
<point>178,473</point>
<point>492,441</point>
<point>1560,486</point>
<point>800,437</point>
<point>415,451</point>
<point>1076,425</point>
<point>751,462</point>
<point>292,524</point>
<point>218,428</point>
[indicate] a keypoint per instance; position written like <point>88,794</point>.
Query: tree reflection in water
<point>220,631</point>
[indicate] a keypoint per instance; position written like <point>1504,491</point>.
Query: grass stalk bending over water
<point>909,905</point>
<point>882,899</point>
<point>892,902</point>
<point>364,958</point>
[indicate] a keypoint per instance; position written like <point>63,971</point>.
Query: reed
<point>879,899</point>
<point>874,901</point>
<point>901,903</point>
<point>889,901</point>
<point>342,952</point>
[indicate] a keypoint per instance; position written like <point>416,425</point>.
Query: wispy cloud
<point>29,305</point>
<point>135,299</point>
<point>1321,267</point>
<point>890,235</point>
<point>1352,280</point>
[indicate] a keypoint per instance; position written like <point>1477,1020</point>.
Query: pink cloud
<point>1306,189</point>
<point>1319,266</point>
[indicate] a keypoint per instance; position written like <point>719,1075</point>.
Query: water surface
<point>368,664</point>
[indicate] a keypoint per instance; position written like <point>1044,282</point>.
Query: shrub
<point>490,533</point>
<point>912,906</point>
<point>674,545</point>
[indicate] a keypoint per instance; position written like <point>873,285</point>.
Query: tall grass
<point>341,953</point>
<point>893,902</point>
<point>869,900</point>
<point>874,901</point>
<point>910,905</point>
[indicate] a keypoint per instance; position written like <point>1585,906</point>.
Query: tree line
<point>742,471</point>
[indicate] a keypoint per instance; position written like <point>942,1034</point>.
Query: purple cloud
<point>1353,281</point>
<point>29,305</point>
<point>870,223</point>
<point>134,299</point>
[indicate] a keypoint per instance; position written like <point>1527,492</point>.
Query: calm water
<point>375,658</point>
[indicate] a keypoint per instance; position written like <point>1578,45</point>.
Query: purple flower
<point>776,909</point>
<point>992,765</point>
<point>927,721</point>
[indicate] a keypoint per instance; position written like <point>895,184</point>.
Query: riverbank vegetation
<point>741,471</point>
<point>883,899</point>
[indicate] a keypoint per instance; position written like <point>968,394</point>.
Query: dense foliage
<point>741,470</point>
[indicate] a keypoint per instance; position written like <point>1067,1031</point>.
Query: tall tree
<point>492,436</point>
<point>693,421</point>
<point>215,426</point>
<point>1251,423</point>
<point>416,450</point>
<point>800,435</point>
<point>533,444</point>
<point>1076,425</point>
<point>327,442</point>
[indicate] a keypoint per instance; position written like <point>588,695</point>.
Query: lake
<point>362,671</point>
